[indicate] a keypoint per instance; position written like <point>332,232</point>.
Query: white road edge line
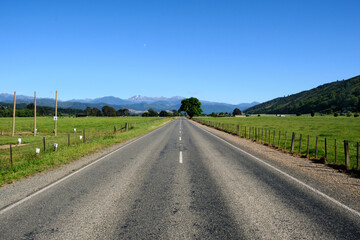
<point>180,138</point>
<point>180,157</point>
<point>286,174</point>
<point>12,205</point>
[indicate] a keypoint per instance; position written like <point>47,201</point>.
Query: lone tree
<point>164,114</point>
<point>192,106</point>
<point>237,112</point>
<point>108,111</point>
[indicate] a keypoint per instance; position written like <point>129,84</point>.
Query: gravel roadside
<point>332,182</point>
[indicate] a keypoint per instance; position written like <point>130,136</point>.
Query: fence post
<point>347,158</point>
<point>325,157</point>
<point>11,160</point>
<point>308,147</point>
<point>238,130</point>
<point>114,129</point>
<point>300,144</point>
<point>44,142</point>
<point>335,151</point>
<point>69,139</point>
<point>262,135</point>
<point>285,141</point>
<point>357,155</point>
<point>292,143</point>
<point>245,131</point>
<point>84,135</point>
<point>316,146</point>
<point>126,127</point>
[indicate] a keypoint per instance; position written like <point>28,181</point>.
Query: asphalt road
<point>179,182</point>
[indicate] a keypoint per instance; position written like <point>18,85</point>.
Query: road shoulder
<point>22,188</point>
<point>336,184</point>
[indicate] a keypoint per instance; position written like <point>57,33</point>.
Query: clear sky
<point>224,51</point>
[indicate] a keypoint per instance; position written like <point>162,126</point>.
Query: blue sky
<point>224,51</point>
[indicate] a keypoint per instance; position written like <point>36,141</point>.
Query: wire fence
<point>25,152</point>
<point>337,152</point>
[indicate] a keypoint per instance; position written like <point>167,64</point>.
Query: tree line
<point>23,110</point>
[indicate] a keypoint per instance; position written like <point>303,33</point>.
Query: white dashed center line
<point>180,157</point>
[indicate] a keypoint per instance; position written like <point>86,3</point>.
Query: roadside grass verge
<point>26,162</point>
<point>269,130</point>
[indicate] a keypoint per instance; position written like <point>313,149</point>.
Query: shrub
<point>356,115</point>
<point>349,114</point>
<point>336,114</point>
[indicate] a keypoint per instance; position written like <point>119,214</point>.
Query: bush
<point>349,114</point>
<point>298,114</point>
<point>336,114</point>
<point>312,113</point>
<point>356,115</point>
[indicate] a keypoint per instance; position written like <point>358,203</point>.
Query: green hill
<point>339,96</point>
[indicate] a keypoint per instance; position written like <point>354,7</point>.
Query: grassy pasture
<point>329,127</point>
<point>99,133</point>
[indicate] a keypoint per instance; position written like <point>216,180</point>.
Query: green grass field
<point>329,127</point>
<point>99,133</point>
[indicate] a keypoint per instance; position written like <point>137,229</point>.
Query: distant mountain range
<point>339,96</point>
<point>134,104</point>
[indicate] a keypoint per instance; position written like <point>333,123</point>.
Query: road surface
<point>179,182</point>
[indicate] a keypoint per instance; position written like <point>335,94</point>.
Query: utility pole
<point>14,109</point>
<point>35,113</point>
<point>55,118</point>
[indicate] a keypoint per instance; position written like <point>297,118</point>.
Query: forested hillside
<point>339,96</point>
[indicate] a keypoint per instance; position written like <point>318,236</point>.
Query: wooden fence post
<point>114,129</point>
<point>308,147</point>
<point>84,136</point>
<point>14,115</point>
<point>316,146</point>
<point>44,143</point>
<point>11,160</point>
<point>325,157</point>
<point>69,139</point>
<point>357,155</point>
<point>238,130</point>
<point>292,143</point>
<point>300,144</point>
<point>285,141</point>
<point>126,127</point>
<point>335,151</point>
<point>347,157</point>
<point>262,136</point>
<point>245,131</point>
